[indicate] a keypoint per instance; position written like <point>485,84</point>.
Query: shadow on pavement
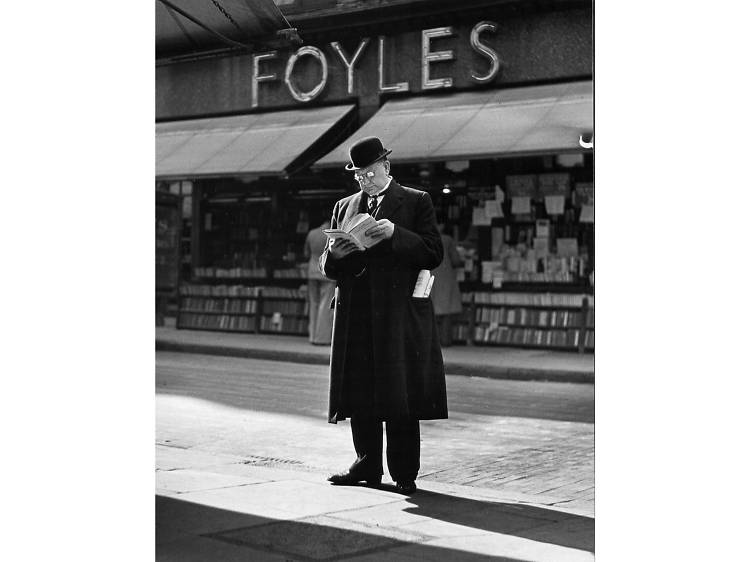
<point>189,532</point>
<point>532,522</point>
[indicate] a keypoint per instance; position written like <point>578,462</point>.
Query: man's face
<point>373,178</point>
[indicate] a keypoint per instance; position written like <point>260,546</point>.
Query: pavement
<point>242,477</point>
<point>493,362</point>
<point>230,508</point>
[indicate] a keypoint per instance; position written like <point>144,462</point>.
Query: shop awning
<point>200,25</point>
<point>482,124</point>
<point>263,143</point>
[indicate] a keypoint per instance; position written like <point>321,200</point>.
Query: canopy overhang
<point>200,25</point>
<point>256,144</point>
<point>482,124</point>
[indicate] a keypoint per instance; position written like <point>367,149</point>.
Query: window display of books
<point>219,305</point>
<point>243,309</point>
<point>284,324</point>
<point>231,273</point>
<point>520,263</point>
<point>297,272</point>
<point>533,299</point>
<point>220,290</point>
<point>527,337</point>
<point>540,320</point>
<point>216,322</point>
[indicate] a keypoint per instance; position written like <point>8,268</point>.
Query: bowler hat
<point>366,151</point>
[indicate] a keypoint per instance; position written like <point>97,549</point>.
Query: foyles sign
<point>308,71</point>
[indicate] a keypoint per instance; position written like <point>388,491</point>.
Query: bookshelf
<point>524,228</point>
<point>535,320</point>
<point>238,308</point>
<point>557,321</point>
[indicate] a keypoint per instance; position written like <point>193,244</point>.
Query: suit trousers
<point>402,449</point>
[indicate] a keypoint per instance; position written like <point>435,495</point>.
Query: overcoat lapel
<point>392,200</point>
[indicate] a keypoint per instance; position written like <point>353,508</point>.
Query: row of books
<point>284,292</point>
<point>281,323</point>
<point>460,332</point>
<point>246,306</point>
<point>285,307</point>
<point>231,273</point>
<point>528,260</point>
<point>532,337</point>
<point>531,299</point>
<point>216,322</point>
<point>520,276</point>
<point>242,291</point>
<point>533,317</point>
<point>220,290</point>
<point>291,273</point>
<point>527,336</point>
<point>588,340</point>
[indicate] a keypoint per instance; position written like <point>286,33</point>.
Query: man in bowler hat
<point>386,363</point>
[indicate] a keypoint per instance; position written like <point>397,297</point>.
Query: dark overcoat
<point>385,341</point>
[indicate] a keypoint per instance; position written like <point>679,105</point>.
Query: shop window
<point>523,223</point>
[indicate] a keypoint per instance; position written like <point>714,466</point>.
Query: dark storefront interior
<point>528,274</point>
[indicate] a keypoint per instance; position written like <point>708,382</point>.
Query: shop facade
<point>488,106</point>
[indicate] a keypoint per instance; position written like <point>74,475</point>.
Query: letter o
<point>315,92</point>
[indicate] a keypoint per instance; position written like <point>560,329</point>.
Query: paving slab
<point>177,519</point>
<point>392,555</point>
<point>320,538</point>
<point>173,458</point>
<point>204,549</point>
<point>181,481</point>
<point>493,547</point>
<point>288,499</point>
<point>574,533</point>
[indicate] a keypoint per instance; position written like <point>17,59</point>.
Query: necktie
<point>372,204</point>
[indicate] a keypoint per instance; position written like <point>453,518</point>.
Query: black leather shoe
<point>350,478</point>
<point>358,472</point>
<point>406,487</point>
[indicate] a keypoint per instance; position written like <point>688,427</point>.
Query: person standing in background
<point>446,295</point>
<point>320,289</point>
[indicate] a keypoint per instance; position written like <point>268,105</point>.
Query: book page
<point>356,220</point>
<point>357,227</point>
<point>336,233</point>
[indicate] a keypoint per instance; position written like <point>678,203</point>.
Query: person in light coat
<point>446,293</point>
<point>320,289</point>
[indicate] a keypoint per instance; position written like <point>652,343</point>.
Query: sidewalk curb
<point>452,368</point>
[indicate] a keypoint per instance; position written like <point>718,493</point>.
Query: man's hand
<point>340,248</point>
<point>383,231</point>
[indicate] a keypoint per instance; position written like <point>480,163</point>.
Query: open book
<point>354,230</point>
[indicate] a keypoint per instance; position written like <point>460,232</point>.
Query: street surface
<point>533,439</point>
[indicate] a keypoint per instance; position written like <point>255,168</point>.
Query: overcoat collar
<point>392,199</point>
